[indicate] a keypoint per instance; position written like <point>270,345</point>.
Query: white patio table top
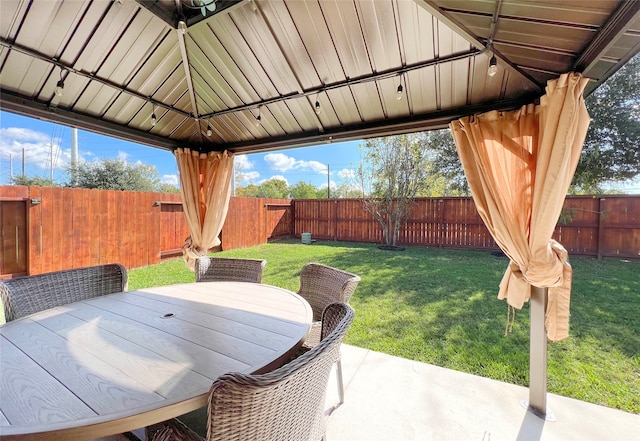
<point>124,361</point>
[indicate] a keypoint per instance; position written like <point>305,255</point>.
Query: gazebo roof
<point>310,71</point>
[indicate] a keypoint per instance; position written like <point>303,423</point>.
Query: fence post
<point>440,221</point>
<point>292,214</point>
<point>335,220</point>
<point>600,226</point>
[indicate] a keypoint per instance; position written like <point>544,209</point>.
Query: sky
<point>42,140</point>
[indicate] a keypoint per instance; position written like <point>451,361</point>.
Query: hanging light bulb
<point>318,108</point>
<point>154,120</point>
<point>493,66</point>
<point>60,85</point>
<point>259,117</point>
<point>182,27</point>
<point>209,131</point>
<point>400,89</point>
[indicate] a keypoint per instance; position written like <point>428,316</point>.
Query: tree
<point>611,151</point>
<point>392,172</point>
<point>35,181</point>
<point>115,174</point>
<point>347,190</point>
<point>250,191</point>
<point>274,188</point>
<point>304,190</point>
<point>448,178</point>
<point>168,188</point>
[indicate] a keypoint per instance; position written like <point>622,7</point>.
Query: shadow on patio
<point>391,398</point>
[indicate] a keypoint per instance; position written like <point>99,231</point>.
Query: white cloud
<point>347,173</point>
<point>283,163</point>
<point>324,185</point>
<point>279,177</point>
<point>242,162</point>
<point>248,177</point>
<point>316,166</point>
<point>280,161</point>
<point>170,179</point>
<point>24,135</point>
<point>122,156</point>
<point>37,147</point>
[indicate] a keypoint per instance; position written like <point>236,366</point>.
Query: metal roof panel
<point>123,60</point>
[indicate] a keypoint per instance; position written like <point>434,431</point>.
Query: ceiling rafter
<point>284,55</point>
<point>463,31</point>
<point>187,77</point>
<point>350,82</point>
<point>92,77</point>
<point>616,25</point>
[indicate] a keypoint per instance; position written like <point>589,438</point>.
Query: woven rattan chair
<point>322,285</point>
<point>218,269</point>
<point>285,404</point>
<point>28,295</point>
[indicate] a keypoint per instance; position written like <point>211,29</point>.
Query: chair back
<point>27,295</point>
<point>285,404</point>
<point>219,269</point>
<point>321,285</point>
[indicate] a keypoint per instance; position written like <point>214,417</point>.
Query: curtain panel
<point>205,185</point>
<point>519,166</point>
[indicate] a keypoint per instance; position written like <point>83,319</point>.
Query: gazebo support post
<point>538,353</point>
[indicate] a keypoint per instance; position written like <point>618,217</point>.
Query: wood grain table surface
<point>124,361</point>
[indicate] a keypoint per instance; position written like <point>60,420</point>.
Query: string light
<point>493,66</point>
<point>318,108</point>
<point>60,85</point>
<point>399,90</point>
<point>209,131</point>
<point>259,118</point>
<point>154,120</point>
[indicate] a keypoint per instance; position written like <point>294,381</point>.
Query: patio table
<point>123,361</point>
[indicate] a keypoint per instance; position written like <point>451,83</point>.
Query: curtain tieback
<point>191,253</point>
<point>554,274</point>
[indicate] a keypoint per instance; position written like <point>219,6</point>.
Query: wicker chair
<point>322,285</point>
<point>285,404</point>
<point>28,295</point>
<point>217,269</point>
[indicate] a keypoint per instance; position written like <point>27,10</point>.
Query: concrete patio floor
<point>390,398</point>
<point>394,399</point>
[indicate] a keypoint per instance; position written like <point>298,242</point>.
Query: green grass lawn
<point>439,306</point>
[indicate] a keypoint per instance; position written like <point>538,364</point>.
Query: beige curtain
<point>205,185</point>
<point>519,166</point>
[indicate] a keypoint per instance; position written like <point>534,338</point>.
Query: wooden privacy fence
<point>607,226</point>
<point>254,221</point>
<point>62,228</point>
<point>47,229</point>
